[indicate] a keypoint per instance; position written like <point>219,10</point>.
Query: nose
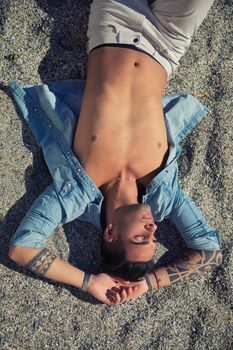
<point>150,226</point>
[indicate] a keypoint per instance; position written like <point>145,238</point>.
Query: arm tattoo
<point>193,264</point>
<point>41,262</point>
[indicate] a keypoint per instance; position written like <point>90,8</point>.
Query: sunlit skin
<point>121,133</point>
<point>134,225</point>
<point>129,221</point>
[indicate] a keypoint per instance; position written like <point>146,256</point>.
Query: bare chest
<point>121,125</point>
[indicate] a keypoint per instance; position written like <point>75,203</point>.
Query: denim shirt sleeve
<point>192,225</point>
<point>40,221</point>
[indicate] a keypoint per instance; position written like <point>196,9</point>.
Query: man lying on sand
<point>117,166</point>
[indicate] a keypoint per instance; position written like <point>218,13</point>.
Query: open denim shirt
<point>52,113</point>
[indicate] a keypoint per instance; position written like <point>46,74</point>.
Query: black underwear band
<point>129,46</point>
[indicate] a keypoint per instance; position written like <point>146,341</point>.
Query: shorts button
<point>135,40</point>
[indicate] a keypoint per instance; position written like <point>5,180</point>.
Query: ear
<point>108,233</point>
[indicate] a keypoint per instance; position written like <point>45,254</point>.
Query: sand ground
<point>45,41</point>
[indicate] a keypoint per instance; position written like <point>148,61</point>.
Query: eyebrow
<point>142,243</point>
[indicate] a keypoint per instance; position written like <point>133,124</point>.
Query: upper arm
<point>192,225</point>
<point>40,221</point>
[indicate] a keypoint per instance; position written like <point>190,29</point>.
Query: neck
<point>119,179</point>
<point>119,192</point>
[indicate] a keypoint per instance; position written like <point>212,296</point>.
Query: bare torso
<point>121,129</point>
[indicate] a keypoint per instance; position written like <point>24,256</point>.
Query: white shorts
<point>163,30</point>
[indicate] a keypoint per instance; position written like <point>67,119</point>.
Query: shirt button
<point>34,109</point>
<point>61,140</point>
<point>135,40</point>
<point>78,169</point>
<point>49,125</point>
<point>69,184</point>
<point>93,189</point>
<point>68,153</point>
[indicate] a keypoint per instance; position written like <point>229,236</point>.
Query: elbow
<point>14,253</point>
<point>22,255</point>
<point>18,255</point>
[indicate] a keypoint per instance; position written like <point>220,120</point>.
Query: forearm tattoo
<point>192,264</point>
<point>41,263</point>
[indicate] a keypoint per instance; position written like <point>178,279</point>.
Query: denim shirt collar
<point>182,112</point>
<point>52,113</point>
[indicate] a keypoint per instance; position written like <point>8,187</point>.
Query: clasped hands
<point>113,290</point>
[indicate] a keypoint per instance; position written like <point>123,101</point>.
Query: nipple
<point>93,138</point>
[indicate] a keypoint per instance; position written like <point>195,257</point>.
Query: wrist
<point>87,279</point>
<point>148,282</point>
<point>91,280</point>
<point>154,279</point>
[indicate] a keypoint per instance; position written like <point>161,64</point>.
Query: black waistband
<point>129,46</point>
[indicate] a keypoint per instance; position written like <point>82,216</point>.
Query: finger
<point>110,300</point>
<point>123,295</point>
<point>119,280</point>
<point>117,299</point>
<point>125,291</point>
<point>110,293</point>
<point>124,283</point>
<point>132,284</point>
<point>129,291</point>
<point>115,295</point>
<point>116,289</point>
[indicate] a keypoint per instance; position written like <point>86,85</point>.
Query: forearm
<point>189,265</point>
<point>44,263</point>
<point>48,265</point>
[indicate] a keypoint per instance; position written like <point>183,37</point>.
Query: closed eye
<point>141,239</point>
<point>143,242</point>
<point>142,236</point>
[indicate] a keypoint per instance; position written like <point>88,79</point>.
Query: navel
<point>136,64</point>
